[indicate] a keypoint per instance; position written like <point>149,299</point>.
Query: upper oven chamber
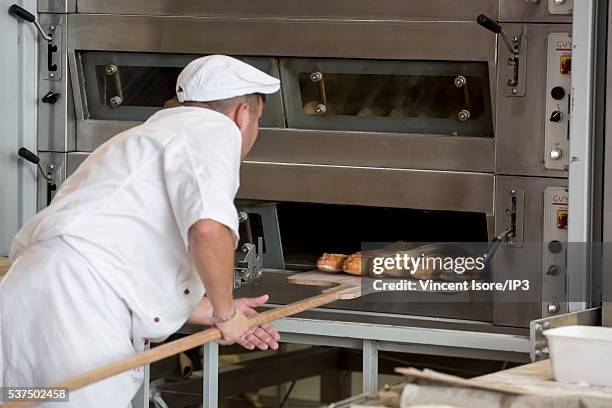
<point>425,103</point>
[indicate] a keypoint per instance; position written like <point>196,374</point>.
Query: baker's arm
<point>211,246</point>
<point>263,337</point>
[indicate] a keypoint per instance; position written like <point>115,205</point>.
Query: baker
<point>134,239</point>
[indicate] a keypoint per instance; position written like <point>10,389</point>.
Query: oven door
<point>121,89</point>
<point>441,98</point>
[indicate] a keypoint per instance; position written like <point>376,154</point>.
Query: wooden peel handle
<point>178,346</point>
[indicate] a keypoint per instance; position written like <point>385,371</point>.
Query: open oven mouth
<point>308,230</point>
<point>297,234</point>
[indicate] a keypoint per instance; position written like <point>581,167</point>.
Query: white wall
<point>18,76</point>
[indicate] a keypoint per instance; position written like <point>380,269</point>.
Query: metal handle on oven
<point>495,242</point>
<point>513,45</point>
<point>34,159</point>
<point>317,77</point>
<point>25,15</point>
<point>495,28</point>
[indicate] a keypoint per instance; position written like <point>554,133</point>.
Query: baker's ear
<point>242,116</point>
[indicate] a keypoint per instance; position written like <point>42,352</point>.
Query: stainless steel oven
<point>406,108</point>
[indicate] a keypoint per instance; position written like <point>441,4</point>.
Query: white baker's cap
<point>218,77</point>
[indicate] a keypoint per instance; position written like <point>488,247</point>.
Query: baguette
<point>331,262</point>
<point>353,264</point>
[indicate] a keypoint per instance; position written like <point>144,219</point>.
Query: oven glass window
<point>134,85</point>
<point>446,98</point>
<point>394,96</point>
<point>127,86</point>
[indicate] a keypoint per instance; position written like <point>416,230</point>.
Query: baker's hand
<point>263,336</point>
<point>234,330</point>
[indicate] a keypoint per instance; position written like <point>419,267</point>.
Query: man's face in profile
<point>250,132</point>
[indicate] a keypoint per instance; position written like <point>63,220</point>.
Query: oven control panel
<point>554,251</point>
<point>558,100</point>
<point>560,6</point>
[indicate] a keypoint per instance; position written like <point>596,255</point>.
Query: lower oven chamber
<point>307,230</point>
<point>301,232</point>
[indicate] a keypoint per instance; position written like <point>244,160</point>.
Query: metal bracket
<point>113,90</point>
<point>517,67</point>
<point>52,51</point>
<point>538,345</point>
<point>514,208</point>
<point>317,77</point>
<point>249,264</point>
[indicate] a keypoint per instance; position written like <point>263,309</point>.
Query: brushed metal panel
<point>520,120</point>
<point>428,152</point>
<point>523,262</point>
<point>92,133</point>
<point>446,10</point>
<point>433,152</point>
<point>73,161</point>
<point>419,189</point>
<point>516,10</point>
<point>456,41</point>
<point>57,6</point>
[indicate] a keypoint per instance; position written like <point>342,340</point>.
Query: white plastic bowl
<point>581,354</point>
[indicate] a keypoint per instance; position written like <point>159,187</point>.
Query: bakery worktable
<point>528,384</point>
<point>540,371</point>
<point>538,377</point>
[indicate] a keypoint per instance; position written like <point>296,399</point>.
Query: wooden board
<point>529,379</point>
<point>351,286</point>
<point>540,375</point>
<point>362,285</point>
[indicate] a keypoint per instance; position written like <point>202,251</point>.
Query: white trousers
<point>58,319</point>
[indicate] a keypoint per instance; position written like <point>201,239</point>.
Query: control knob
<point>553,270</point>
<point>50,97</point>
<point>553,307</point>
<point>556,153</point>
<point>556,116</point>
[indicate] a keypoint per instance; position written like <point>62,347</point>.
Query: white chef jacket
<point>128,209</point>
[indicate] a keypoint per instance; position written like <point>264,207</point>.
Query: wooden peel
<point>357,286</point>
<point>348,290</point>
<point>350,286</point>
